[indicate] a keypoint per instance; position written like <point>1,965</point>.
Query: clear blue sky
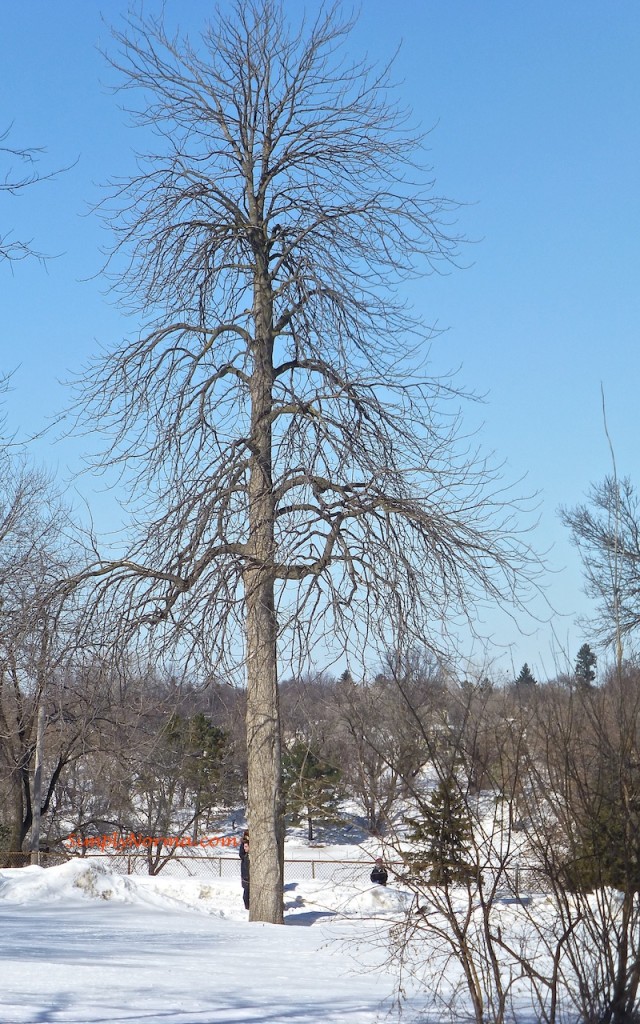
<point>535,110</point>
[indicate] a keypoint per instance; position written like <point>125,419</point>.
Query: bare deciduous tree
<point>293,469</point>
<point>462,856</point>
<point>606,531</point>
<point>583,817</point>
<point>37,639</point>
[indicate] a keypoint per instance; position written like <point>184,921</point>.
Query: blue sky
<point>534,110</point>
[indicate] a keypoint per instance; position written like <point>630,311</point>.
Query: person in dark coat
<point>245,839</point>
<point>244,872</point>
<point>379,873</point>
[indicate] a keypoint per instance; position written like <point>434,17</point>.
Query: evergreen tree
<point>444,832</point>
<point>585,666</point>
<point>606,847</point>
<point>199,745</point>
<point>525,679</point>
<point>194,752</point>
<point>311,784</point>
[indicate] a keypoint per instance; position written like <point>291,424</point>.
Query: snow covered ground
<point>79,943</point>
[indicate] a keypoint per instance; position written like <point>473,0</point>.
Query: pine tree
<point>445,834</point>
<point>606,847</point>
<point>194,750</point>
<point>525,679</point>
<point>585,666</point>
<point>311,784</point>
<point>200,747</point>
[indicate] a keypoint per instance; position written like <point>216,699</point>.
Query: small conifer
<point>444,835</point>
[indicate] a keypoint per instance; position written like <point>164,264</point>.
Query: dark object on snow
<point>379,873</point>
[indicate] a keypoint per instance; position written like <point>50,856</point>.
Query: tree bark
<point>264,757</point>
<point>266,817</point>
<point>37,782</point>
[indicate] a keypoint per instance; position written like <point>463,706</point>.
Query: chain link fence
<point>345,872</point>
<point>517,882</point>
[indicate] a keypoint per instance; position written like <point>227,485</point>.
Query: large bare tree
<point>294,472</point>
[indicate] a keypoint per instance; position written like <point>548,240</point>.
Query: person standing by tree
<point>245,869</point>
<point>245,839</point>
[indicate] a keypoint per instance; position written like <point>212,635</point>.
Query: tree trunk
<point>20,818</point>
<point>622,989</point>
<point>37,782</point>
<point>264,759</point>
<point>265,795</point>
